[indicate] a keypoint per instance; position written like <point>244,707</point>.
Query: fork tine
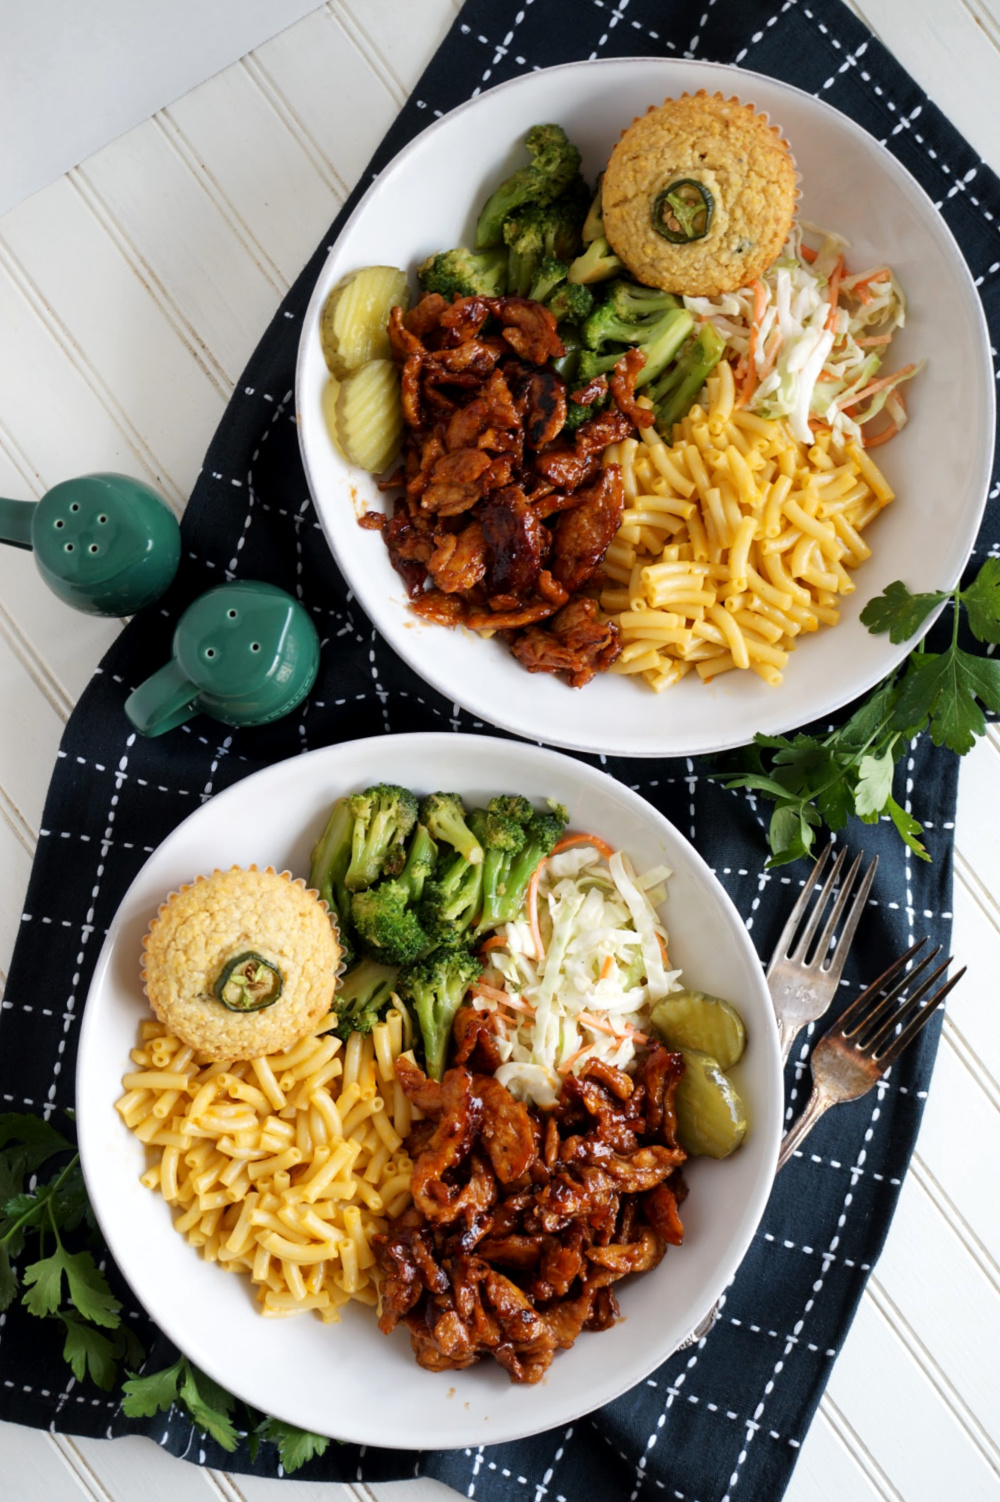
<point>846,937</point>
<point>798,911</point>
<point>851,1013</point>
<point>908,1034</point>
<point>798,954</point>
<point>904,1011</point>
<point>887,1007</point>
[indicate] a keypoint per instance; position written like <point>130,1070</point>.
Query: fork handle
<point>788,1031</point>
<point>818,1103</point>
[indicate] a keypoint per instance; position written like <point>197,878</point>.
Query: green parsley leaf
<point>941,687</point>
<point>89,1352</point>
<point>88,1288</point>
<point>790,835</point>
<point>26,1208</point>
<point>43,1282</point>
<point>295,1446</point>
<point>153,1393</point>
<point>982,602</point>
<point>209,1406</point>
<point>89,1291</point>
<point>874,784</point>
<point>908,827</point>
<point>897,611</point>
<point>38,1140</point>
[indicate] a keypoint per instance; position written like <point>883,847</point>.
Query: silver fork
<point>802,988</point>
<point>854,1054</point>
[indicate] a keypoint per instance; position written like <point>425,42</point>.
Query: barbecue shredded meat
<point>502,520</point>
<point>522,1221</point>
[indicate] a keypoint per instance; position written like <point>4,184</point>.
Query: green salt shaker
<point>106,544</point>
<point>245,653</point>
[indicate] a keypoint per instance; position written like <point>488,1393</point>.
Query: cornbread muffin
<point>699,195</point>
<point>241,963</point>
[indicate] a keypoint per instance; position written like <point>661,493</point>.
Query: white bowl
<point>348,1380</point>
<point>427,200</point>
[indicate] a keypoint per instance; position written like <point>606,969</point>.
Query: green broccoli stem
<point>506,874</point>
<point>675,394</point>
<point>437,987</point>
<point>328,864</point>
<point>675,328</point>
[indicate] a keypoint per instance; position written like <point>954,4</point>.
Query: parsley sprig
<point>825,780</point>
<point>60,1284</point>
<point>38,1216</point>
<point>212,1409</point>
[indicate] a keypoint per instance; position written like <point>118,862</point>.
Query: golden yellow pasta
<point>282,1167</point>
<point>735,540</point>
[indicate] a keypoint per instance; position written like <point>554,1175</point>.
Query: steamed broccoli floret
<point>674,395</point>
<point>515,839</point>
<point>465,273</point>
<point>363,994</point>
<point>386,924</point>
<point>385,915</point>
<point>549,275</point>
<point>597,263</point>
<point>541,232</point>
<point>383,816</point>
<point>570,303</point>
<point>437,987</point>
<point>328,865</point>
<point>629,315</point>
<point>444,815</point>
<point>576,415</point>
<point>452,899</point>
<point>554,166</point>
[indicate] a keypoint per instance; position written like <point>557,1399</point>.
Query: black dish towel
<point>726,1418</point>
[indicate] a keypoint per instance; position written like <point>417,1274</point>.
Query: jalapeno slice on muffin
<point>683,212</point>
<point>248,983</point>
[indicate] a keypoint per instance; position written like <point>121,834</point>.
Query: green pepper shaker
<point>106,544</point>
<point>245,653</point>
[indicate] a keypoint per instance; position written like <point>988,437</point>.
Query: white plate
<point>427,200</point>
<point>348,1380</point>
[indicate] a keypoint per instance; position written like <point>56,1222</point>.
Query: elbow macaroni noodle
<point>282,1167</point>
<point>735,540</point>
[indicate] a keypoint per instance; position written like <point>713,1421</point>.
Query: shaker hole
<point>60,523</point>
<point>69,547</point>
<point>209,651</point>
<point>255,646</point>
<point>231,614</point>
<point>92,548</point>
<point>102,519</point>
<point>74,505</point>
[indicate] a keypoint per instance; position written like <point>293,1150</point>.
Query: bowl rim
<point>94,1111</point>
<point>424,664</point>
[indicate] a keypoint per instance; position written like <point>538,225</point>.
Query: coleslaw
<point>573,978</point>
<point>810,340</point>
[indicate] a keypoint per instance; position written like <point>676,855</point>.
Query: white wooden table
<point>131,292</point>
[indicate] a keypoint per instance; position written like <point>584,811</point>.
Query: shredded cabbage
<point>804,368</point>
<point>590,994</point>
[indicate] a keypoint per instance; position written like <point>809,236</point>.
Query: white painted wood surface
<point>131,292</point>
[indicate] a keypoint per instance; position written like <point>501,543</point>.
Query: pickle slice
<point>693,1019</point>
<point>352,327</point>
<point>369,415</point>
<point>711,1117</point>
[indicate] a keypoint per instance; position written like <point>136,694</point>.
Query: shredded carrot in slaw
<point>536,932</point>
<point>570,840</point>
<point>873,386</point>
